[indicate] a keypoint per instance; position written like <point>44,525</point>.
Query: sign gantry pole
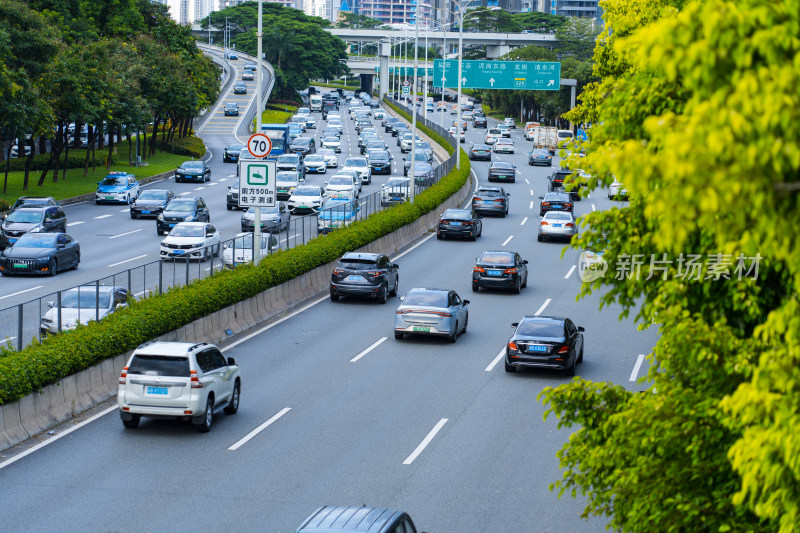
<point>259,108</point>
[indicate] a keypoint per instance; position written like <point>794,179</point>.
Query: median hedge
<point>56,357</point>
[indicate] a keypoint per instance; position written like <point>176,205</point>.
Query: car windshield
<point>246,242</point>
<point>181,206</point>
<point>426,298</point>
<point>307,191</point>
<point>557,215</point>
<point>159,365</point>
<point>114,181</point>
<point>397,182</point>
<point>492,193</point>
<point>535,328</point>
<point>192,164</point>
<point>314,159</point>
<point>423,146</point>
<point>187,231</point>
<point>153,195</point>
<point>286,176</point>
<point>459,214</point>
<point>483,147</point>
<point>264,210</point>
<point>32,202</point>
<point>502,165</point>
<point>288,158</point>
<point>494,131</point>
<point>340,181</point>
<point>357,264</point>
<point>22,216</point>
<point>355,163</point>
<point>301,142</point>
<point>556,197</point>
<point>331,139</point>
<point>85,299</point>
<point>421,157</point>
<point>379,156</point>
<point>230,106</point>
<point>496,258</point>
<point>37,240</point>
<point>541,152</point>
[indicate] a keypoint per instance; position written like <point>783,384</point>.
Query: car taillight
<point>510,271</point>
<point>338,271</point>
<point>545,204</point>
<point>563,349</point>
<point>401,312</point>
<point>543,223</point>
<point>374,273</point>
<point>446,315</point>
<point>467,222</point>
<point>513,346</point>
<point>196,384</point>
<point>478,269</point>
<point>123,377</point>
<point>569,225</point>
<point>568,206</point>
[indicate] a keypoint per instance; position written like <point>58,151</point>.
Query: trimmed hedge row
<point>56,357</point>
<point>429,132</point>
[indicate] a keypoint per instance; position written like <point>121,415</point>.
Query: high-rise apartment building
<point>571,8</point>
<point>394,11</point>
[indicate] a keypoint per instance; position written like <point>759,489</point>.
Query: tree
<point>351,20</point>
<point>491,20</point>
<point>539,22</point>
<point>278,45</point>
<point>697,114</point>
<point>577,38</point>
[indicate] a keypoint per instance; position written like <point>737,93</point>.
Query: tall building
<point>394,11</point>
<point>571,8</point>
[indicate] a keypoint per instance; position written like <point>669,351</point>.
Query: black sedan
<point>151,203</point>
<point>540,156</point>
<point>380,161</point>
<point>491,200</point>
<point>231,110</point>
<point>303,146</point>
<point>240,87</point>
<point>502,171</point>
<point>231,153</point>
<point>193,171</point>
<point>460,223</point>
<point>545,342</point>
<point>555,201</point>
<point>41,253</point>
<point>479,122</point>
<point>500,270</point>
<point>480,151</point>
<point>366,275</point>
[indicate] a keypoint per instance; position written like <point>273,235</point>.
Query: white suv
<point>178,380</point>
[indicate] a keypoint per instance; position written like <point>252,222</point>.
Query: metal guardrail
<point>22,323</point>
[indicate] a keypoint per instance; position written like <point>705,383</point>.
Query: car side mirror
<point>50,304</point>
<point>524,261</point>
<point>541,198</point>
<point>514,324</point>
<point>231,361</point>
<point>466,302</point>
<point>402,298</point>
<point>61,246</point>
<point>580,328</point>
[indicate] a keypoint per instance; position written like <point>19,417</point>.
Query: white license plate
<point>158,390</point>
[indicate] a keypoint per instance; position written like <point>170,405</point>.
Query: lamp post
<point>414,107</point>
<point>461,12</point>
<point>259,108</point>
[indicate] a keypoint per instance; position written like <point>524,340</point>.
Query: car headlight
<point>35,229</point>
<point>160,217</point>
<point>46,320</point>
<point>190,218</point>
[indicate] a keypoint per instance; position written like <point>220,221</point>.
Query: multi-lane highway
<point>336,411</point>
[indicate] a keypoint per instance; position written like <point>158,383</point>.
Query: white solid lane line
<point>198,188</point>
<point>70,224</point>
<point>571,270</point>
<point>126,210</point>
<point>290,237</point>
<point>128,260</point>
<point>126,233</point>
<point>365,352</point>
<point>212,183</point>
<point>507,240</point>
<point>543,307</point>
<point>593,207</point>
<point>260,428</point>
<point>229,176</point>
<point>636,367</point>
<point>56,437</point>
<point>427,440</point>
<point>101,216</point>
<point>524,220</point>
<point>496,360</point>
<point>21,292</point>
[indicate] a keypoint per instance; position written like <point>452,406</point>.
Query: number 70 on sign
<point>259,145</point>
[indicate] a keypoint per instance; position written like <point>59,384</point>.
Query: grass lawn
<point>273,116</point>
<point>76,184</point>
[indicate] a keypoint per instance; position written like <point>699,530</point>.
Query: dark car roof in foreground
<point>332,518</point>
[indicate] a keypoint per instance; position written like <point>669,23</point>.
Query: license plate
<point>157,390</point>
<point>495,272</point>
<point>455,223</point>
<point>537,348</point>
<point>423,329</point>
<point>556,206</point>
<point>397,197</point>
<point>146,212</point>
<point>556,225</point>
<point>109,197</point>
<point>12,240</point>
<point>179,252</point>
<point>355,278</point>
<point>172,225</point>
<point>20,265</point>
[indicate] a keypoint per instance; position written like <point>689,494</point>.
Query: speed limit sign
<point>259,145</point>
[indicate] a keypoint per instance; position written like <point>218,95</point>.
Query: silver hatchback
<point>437,312</point>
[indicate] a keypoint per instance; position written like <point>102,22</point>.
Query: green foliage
<point>40,364</point>
<point>539,22</point>
<point>351,20</point>
<point>76,159</point>
<point>484,19</point>
<point>697,114</point>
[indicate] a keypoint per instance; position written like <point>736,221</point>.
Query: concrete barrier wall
<point>60,401</point>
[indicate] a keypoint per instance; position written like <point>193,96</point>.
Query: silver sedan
<point>438,312</point>
<point>560,224</point>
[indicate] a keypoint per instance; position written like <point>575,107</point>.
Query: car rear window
<point>490,193</point>
<point>358,264</point>
<point>541,329</point>
<point>426,298</point>
<point>496,258</point>
<point>159,365</point>
<point>457,214</point>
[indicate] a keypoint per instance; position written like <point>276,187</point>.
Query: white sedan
<point>505,146</point>
<point>240,249</point>
<point>307,198</point>
<point>341,186</point>
<point>191,240</point>
<point>332,143</point>
<point>617,190</point>
<point>331,159</point>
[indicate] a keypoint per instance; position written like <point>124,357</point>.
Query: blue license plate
<point>172,225</point>
<point>455,223</point>
<point>355,278</point>
<point>145,212</point>
<point>537,348</point>
<point>556,206</point>
<point>157,390</point>
<point>397,197</point>
<point>12,240</point>
<point>556,225</point>
<point>179,252</point>
<point>495,272</point>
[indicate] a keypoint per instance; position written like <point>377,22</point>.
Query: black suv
<point>182,210</point>
<point>388,126</point>
<point>151,202</point>
<point>34,201</point>
<point>25,219</point>
<point>364,274</point>
<point>231,153</point>
<point>557,180</point>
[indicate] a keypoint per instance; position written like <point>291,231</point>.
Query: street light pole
<point>461,8</point>
<point>259,107</point>
<point>413,107</point>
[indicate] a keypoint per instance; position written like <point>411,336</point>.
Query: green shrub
<point>56,357</point>
<point>189,146</point>
<point>77,159</point>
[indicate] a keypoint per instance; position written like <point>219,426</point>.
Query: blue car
<point>337,213</point>
<point>295,130</point>
<point>117,187</point>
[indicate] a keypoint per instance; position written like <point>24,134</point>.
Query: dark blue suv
<point>332,519</point>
